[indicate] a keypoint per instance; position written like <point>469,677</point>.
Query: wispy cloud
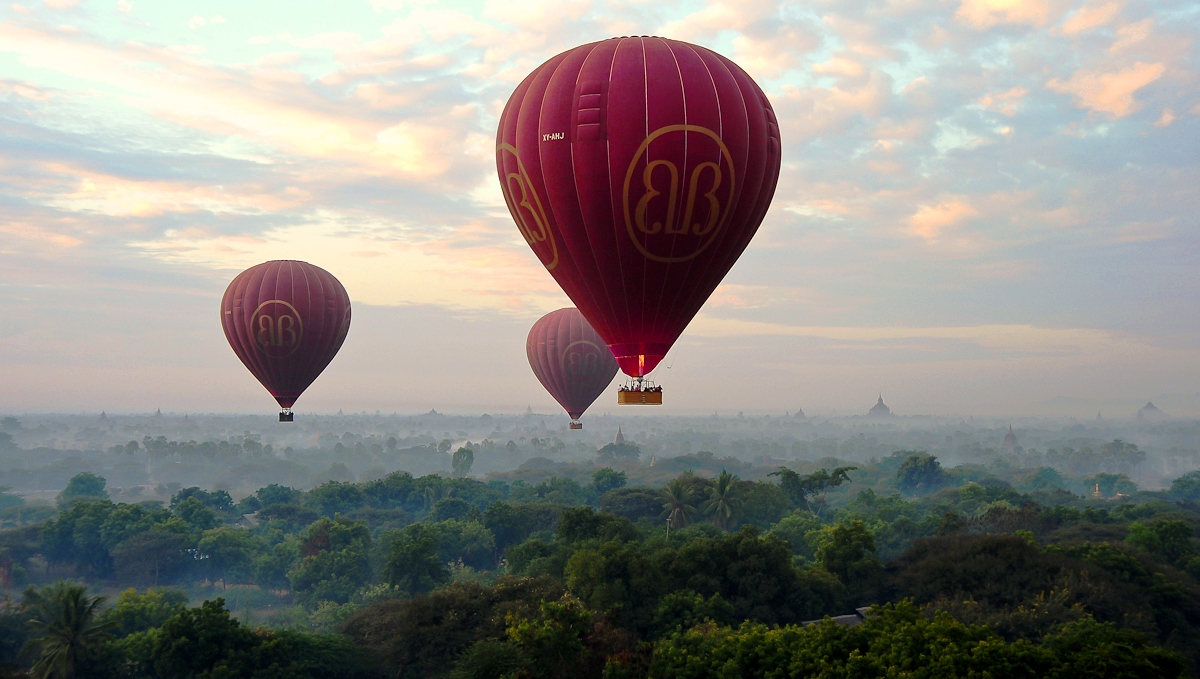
<point>973,163</point>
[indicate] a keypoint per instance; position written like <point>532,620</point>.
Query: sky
<point>985,207</point>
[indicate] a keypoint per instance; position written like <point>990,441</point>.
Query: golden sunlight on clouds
<point>1090,17</point>
<point>378,270</point>
<point>1130,35</point>
<point>988,13</point>
<point>1004,103</point>
<point>36,235</point>
<point>1109,93</point>
<point>117,197</point>
<point>930,221</point>
<point>265,105</point>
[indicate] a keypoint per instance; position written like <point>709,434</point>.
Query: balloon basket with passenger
<point>575,425</point>
<point>639,391</point>
<point>286,415</point>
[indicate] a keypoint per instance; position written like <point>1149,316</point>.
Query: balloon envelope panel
<point>569,359</point>
<point>286,321</point>
<point>638,170</point>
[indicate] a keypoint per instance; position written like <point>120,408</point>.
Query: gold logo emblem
<point>277,328</point>
<point>581,359</point>
<point>526,208</point>
<point>663,227</point>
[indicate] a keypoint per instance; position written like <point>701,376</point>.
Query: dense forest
<point>613,563</point>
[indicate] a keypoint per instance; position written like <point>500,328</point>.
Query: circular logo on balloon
<point>582,359</point>
<point>674,213</point>
<point>277,328</point>
<point>526,208</point>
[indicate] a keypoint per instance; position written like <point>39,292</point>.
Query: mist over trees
<point>491,546</point>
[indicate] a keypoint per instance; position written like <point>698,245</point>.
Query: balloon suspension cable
<point>286,415</point>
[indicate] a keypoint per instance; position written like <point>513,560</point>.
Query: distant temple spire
<point>1010,439</point>
<point>620,437</point>
<point>880,409</point>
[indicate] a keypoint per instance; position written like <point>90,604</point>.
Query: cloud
<point>982,14</point>
<point>931,220</point>
<point>1090,17</point>
<point>1006,102</point>
<point>1130,35</point>
<point>1109,93</point>
<point>933,172</point>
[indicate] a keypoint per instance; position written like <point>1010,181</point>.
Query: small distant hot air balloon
<point>638,170</point>
<point>286,320</point>
<point>570,360</point>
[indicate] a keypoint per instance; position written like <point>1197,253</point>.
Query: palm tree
<point>677,507</point>
<point>70,629</point>
<point>722,499</point>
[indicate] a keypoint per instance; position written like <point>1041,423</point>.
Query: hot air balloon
<point>570,360</point>
<point>286,320</point>
<point>638,169</point>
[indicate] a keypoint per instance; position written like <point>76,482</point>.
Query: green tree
<point>794,529</point>
<point>618,452</point>
<point>1170,539</point>
<point>1186,487</point>
<point>902,641</point>
<point>229,553</point>
<point>149,556</point>
<point>196,514</point>
<point>848,551</point>
<point>801,490</point>
<point>461,461</point>
<point>206,642</point>
<point>920,473</point>
<point>413,564</point>
<point>607,478</point>
<point>723,499</point>
<point>84,487</point>
<point>69,628</point>
<point>553,642</point>
<point>137,612</point>
<point>334,561</point>
<point>677,498</point>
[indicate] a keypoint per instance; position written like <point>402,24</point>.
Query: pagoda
<point>1010,439</point>
<point>879,409</point>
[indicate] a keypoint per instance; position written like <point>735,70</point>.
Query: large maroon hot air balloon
<point>286,320</point>
<point>570,360</point>
<point>638,170</point>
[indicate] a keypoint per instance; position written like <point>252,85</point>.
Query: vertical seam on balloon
<point>317,350</point>
<point>691,262</point>
<point>575,180</point>
<point>616,238</point>
<point>666,273</point>
<point>725,253</point>
<point>267,368</point>
<point>645,262</point>
<point>746,107</point>
<point>239,322</point>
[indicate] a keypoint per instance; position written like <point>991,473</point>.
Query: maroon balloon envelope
<point>638,170</point>
<point>286,320</point>
<point>569,359</point>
